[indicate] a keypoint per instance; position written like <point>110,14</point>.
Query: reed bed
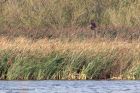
<point>24,59</point>
<point>51,39</point>
<point>58,14</point>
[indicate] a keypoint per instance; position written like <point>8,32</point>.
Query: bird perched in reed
<point>93,27</point>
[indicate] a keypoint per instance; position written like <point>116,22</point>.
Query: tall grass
<point>62,13</point>
<point>115,19</point>
<point>55,59</point>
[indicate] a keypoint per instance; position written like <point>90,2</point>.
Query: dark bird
<point>93,25</point>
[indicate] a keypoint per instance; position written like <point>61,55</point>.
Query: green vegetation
<point>115,19</point>
<point>51,39</point>
<point>61,13</point>
<point>43,59</point>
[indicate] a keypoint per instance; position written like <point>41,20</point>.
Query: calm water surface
<point>69,86</point>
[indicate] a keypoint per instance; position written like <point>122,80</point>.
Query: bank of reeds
<point>58,14</point>
<point>51,39</point>
<point>54,59</point>
<point>62,13</point>
<point>121,33</point>
<point>36,19</point>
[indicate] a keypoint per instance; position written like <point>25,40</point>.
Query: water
<point>69,86</point>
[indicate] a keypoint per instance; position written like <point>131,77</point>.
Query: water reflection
<point>69,87</point>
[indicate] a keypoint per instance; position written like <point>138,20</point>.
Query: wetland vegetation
<point>51,39</point>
